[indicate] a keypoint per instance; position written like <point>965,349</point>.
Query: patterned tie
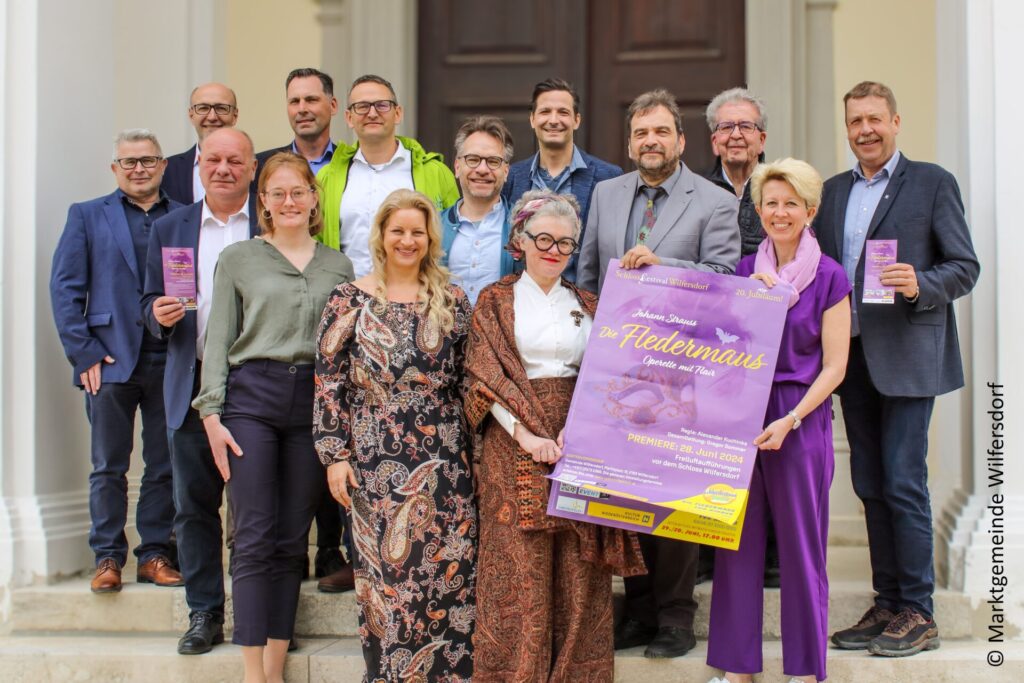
<point>649,216</point>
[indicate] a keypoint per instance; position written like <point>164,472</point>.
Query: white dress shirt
<point>550,342</point>
<point>198,191</point>
<point>367,186</point>
<point>214,237</point>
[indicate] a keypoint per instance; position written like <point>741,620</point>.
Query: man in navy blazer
<point>222,218</point>
<point>559,165</point>
<point>211,106</point>
<point>95,285</point>
<point>902,355</point>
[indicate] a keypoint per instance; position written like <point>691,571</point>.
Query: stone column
<point>376,37</point>
<point>980,104</point>
<point>59,117</point>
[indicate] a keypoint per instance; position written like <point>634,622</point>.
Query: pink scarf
<point>799,272</point>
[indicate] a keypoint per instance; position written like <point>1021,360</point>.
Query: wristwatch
<point>796,419</point>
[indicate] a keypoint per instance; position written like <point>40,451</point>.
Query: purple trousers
<point>789,488</point>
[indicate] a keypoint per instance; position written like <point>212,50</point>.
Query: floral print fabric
<point>388,400</point>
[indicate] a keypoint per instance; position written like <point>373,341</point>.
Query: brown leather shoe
<point>107,578</point>
<point>338,582</point>
<point>157,570</point>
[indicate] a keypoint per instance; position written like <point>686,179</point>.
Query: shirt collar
<point>497,208</point>
<point>324,158</point>
<point>667,186</point>
<point>208,215</point>
<point>400,154</point>
<point>162,199</point>
<point>888,169</point>
<point>576,164</point>
<point>532,285</point>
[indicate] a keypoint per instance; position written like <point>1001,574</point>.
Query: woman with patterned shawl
<point>388,425</point>
<point>544,584</point>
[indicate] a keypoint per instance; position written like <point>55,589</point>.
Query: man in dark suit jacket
<point>661,214</point>
<point>311,106</point>
<point>222,218</point>
<point>902,356</point>
<point>95,285</point>
<point>559,165</point>
<point>211,106</point>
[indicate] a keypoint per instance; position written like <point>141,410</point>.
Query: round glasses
<point>298,195</point>
<point>544,242</point>
<point>129,163</point>
<point>473,160</point>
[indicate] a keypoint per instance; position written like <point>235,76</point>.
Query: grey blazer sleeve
<point>719,249</point>
<point>588,268</point>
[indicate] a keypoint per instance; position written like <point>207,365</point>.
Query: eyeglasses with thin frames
<point>277,196</point>
<point>129,163</point>
<point>202,109</point>
<point>363,108</point>
<point>473,160</point>
<point>544,242</point>
<point>746,127</point>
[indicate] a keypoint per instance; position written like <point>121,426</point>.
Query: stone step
<point>144,608</point>
<point>125,659</point>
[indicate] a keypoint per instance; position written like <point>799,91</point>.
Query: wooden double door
<point>485,56</point>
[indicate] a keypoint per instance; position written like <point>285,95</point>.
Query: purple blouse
<point>800,353</point>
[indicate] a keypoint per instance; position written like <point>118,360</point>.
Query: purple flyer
<point>671,394</point>
<point>877,255</point>
<point>180,275</point>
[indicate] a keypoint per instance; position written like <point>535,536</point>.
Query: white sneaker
<point>716,679</point>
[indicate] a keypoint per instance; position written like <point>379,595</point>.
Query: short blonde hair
<point>800,175</point>
<point>300,166</point>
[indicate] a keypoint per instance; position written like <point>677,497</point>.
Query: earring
<point>313,212</point>
<point>266,214</point>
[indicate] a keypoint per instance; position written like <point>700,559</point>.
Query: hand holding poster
<point>671,394</point>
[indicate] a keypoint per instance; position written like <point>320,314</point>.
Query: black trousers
<point>664,596</point>
<point>276,486</point>
<point>111,413</point>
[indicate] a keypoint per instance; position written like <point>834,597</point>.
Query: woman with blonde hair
<point>795,461</point>
<point>256,399</point>
<point>388,425</point>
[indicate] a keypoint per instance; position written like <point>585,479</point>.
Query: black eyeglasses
<point>202,109</point>
<point>544,242</point>
<point>744,126</point>
<point>473,160</point>
<point>363,108</point>
<point>128,163</point>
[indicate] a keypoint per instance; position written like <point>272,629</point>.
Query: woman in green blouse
<point>256,401</point>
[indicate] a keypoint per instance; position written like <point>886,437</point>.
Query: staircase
<point>63,633</point>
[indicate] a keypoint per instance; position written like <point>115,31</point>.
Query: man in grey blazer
<point>902,355</point>
<point>660,214</point>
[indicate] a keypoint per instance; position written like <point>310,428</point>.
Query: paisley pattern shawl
<point>496,374</point>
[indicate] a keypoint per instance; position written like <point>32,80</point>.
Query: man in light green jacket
<point>359,178</point>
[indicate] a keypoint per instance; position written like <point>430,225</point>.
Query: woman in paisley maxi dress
<point>388,425</point>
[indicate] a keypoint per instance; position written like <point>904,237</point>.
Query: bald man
<point>224,216</point>
<point>212,106</point>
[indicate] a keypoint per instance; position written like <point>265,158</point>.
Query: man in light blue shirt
<point>311,106</point>
<point>476,228</point>
<point>865,194</point>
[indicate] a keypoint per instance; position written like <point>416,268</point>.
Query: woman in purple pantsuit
<point>793,471</point>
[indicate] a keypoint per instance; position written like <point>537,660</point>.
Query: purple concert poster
<point>671,394</point>
<point>180,275</point>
